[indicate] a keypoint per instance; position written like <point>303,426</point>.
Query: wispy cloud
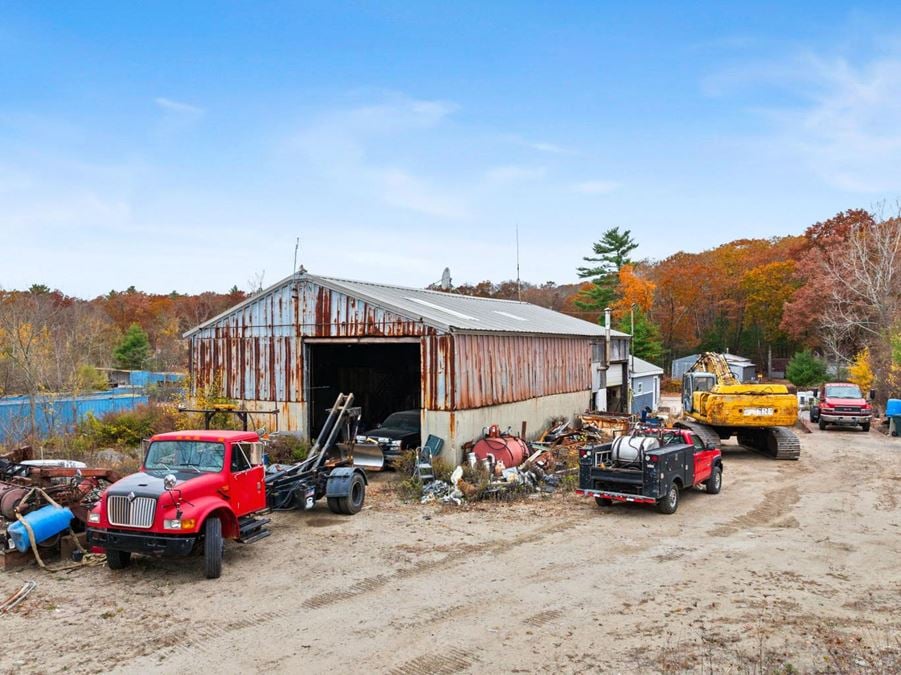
<point>596,187</point>
<point>515,174</point>
<point>540,146</point>
<point>178,107</point>
<point>339,146</point>
<point>842,120</point>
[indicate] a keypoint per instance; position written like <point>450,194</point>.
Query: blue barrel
<point>893,407</point>
<point>45,522</point>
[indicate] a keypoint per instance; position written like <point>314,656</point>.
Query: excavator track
<point>707,434</point>
<point>777,442</point>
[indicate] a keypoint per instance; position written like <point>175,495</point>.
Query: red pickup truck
<point>649,466</point>
<point>842,404</point>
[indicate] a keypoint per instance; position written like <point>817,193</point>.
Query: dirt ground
<point>795,566</point>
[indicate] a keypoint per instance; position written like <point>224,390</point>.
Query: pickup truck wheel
<point>865,427</point>
<point>334,505</point>
<point>715,482</point>
<point>117,560</point>
<point>670,502</point>
<point>822,424</point>
<point>212,548</point>
<point>814,415</point>
<point>356,495</point>
<point>603,501</point>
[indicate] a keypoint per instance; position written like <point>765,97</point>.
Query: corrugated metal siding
<point>493,369</point>
<point>438,372</point>
<point>58,414</point>
<point>256,353</point>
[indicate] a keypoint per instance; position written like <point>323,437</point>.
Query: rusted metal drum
<point>511,450</point>
<point>10,500</point>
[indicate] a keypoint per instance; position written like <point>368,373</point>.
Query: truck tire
<point>670,502</point>
<point>715,483</point>
<point>822,424</point>
<point>356,495</point>
<point>603,501</point>
<point>814,415</point>
<point>865,427</point>
<point>334,505</point>
<point>117,560</point>
<point>212,548</point>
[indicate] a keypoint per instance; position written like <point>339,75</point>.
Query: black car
<point>400,431</point>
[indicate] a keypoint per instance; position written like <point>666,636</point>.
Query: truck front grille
<point>136,512</point>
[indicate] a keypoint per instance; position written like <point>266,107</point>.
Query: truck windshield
<point>197,456</point>
<point>843,391</point>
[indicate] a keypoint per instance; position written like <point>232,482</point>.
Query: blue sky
<point>186,145</point>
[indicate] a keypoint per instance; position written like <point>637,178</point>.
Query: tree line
<point>833,292</point>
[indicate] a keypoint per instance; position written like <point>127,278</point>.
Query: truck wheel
<point>865,427</point>
<point>822,424</point>
<point>715,482</point>
<point>334,505</point>
<point>356,494</point>
<point>814,415</point>
<point>670,502</point>
<point>117,560</point>
<point>603,501</point>
<point>212,548</point>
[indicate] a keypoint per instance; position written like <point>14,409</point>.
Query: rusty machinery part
<point>18,456</point>
<point>16,598</point>
<point>10,497</point>
<point>78,493</point>
<point>87,559</point>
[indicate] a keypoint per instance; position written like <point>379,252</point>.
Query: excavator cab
<point>692,382</point>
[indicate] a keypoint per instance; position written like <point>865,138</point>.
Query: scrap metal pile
<point>28,485</point>
<point>501,465</point>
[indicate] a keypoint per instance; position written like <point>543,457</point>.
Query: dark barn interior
<point>384,378</point>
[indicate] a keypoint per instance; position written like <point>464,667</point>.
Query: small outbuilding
<point>645,385</point>
<point>463,362</point>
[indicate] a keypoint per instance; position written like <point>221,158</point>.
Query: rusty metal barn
<point>463,362</point>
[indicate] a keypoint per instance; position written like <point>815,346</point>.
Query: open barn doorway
<point>383,376</point>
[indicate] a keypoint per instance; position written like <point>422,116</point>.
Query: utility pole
<point>518,286</point>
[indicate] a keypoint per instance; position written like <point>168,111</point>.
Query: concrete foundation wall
<point>456,428</point>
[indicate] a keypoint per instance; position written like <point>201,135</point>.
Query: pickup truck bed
<point>652,479</point>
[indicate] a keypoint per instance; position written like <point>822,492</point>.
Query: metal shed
<point>743,368</point>
<point>464,362</point>
<point>645,385</point>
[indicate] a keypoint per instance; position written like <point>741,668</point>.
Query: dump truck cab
<point>194,487</point>
<point>649,466</point>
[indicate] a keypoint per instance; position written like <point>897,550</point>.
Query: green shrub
<point>287,449</point>
<point>805,370</point>
<point>410,489</point>
<point>127,428</point>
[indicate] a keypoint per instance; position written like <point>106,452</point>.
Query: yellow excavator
<point>716,406</point>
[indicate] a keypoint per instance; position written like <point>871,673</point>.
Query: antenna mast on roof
<point>518,286</point>
<point>296,249</point>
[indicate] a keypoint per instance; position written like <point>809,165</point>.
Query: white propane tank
<point>627,449</point>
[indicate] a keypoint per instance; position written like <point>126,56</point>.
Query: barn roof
<point>444,311</point>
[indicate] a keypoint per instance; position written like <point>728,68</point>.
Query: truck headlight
<point>93,517</point>
<point>176,524</point>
